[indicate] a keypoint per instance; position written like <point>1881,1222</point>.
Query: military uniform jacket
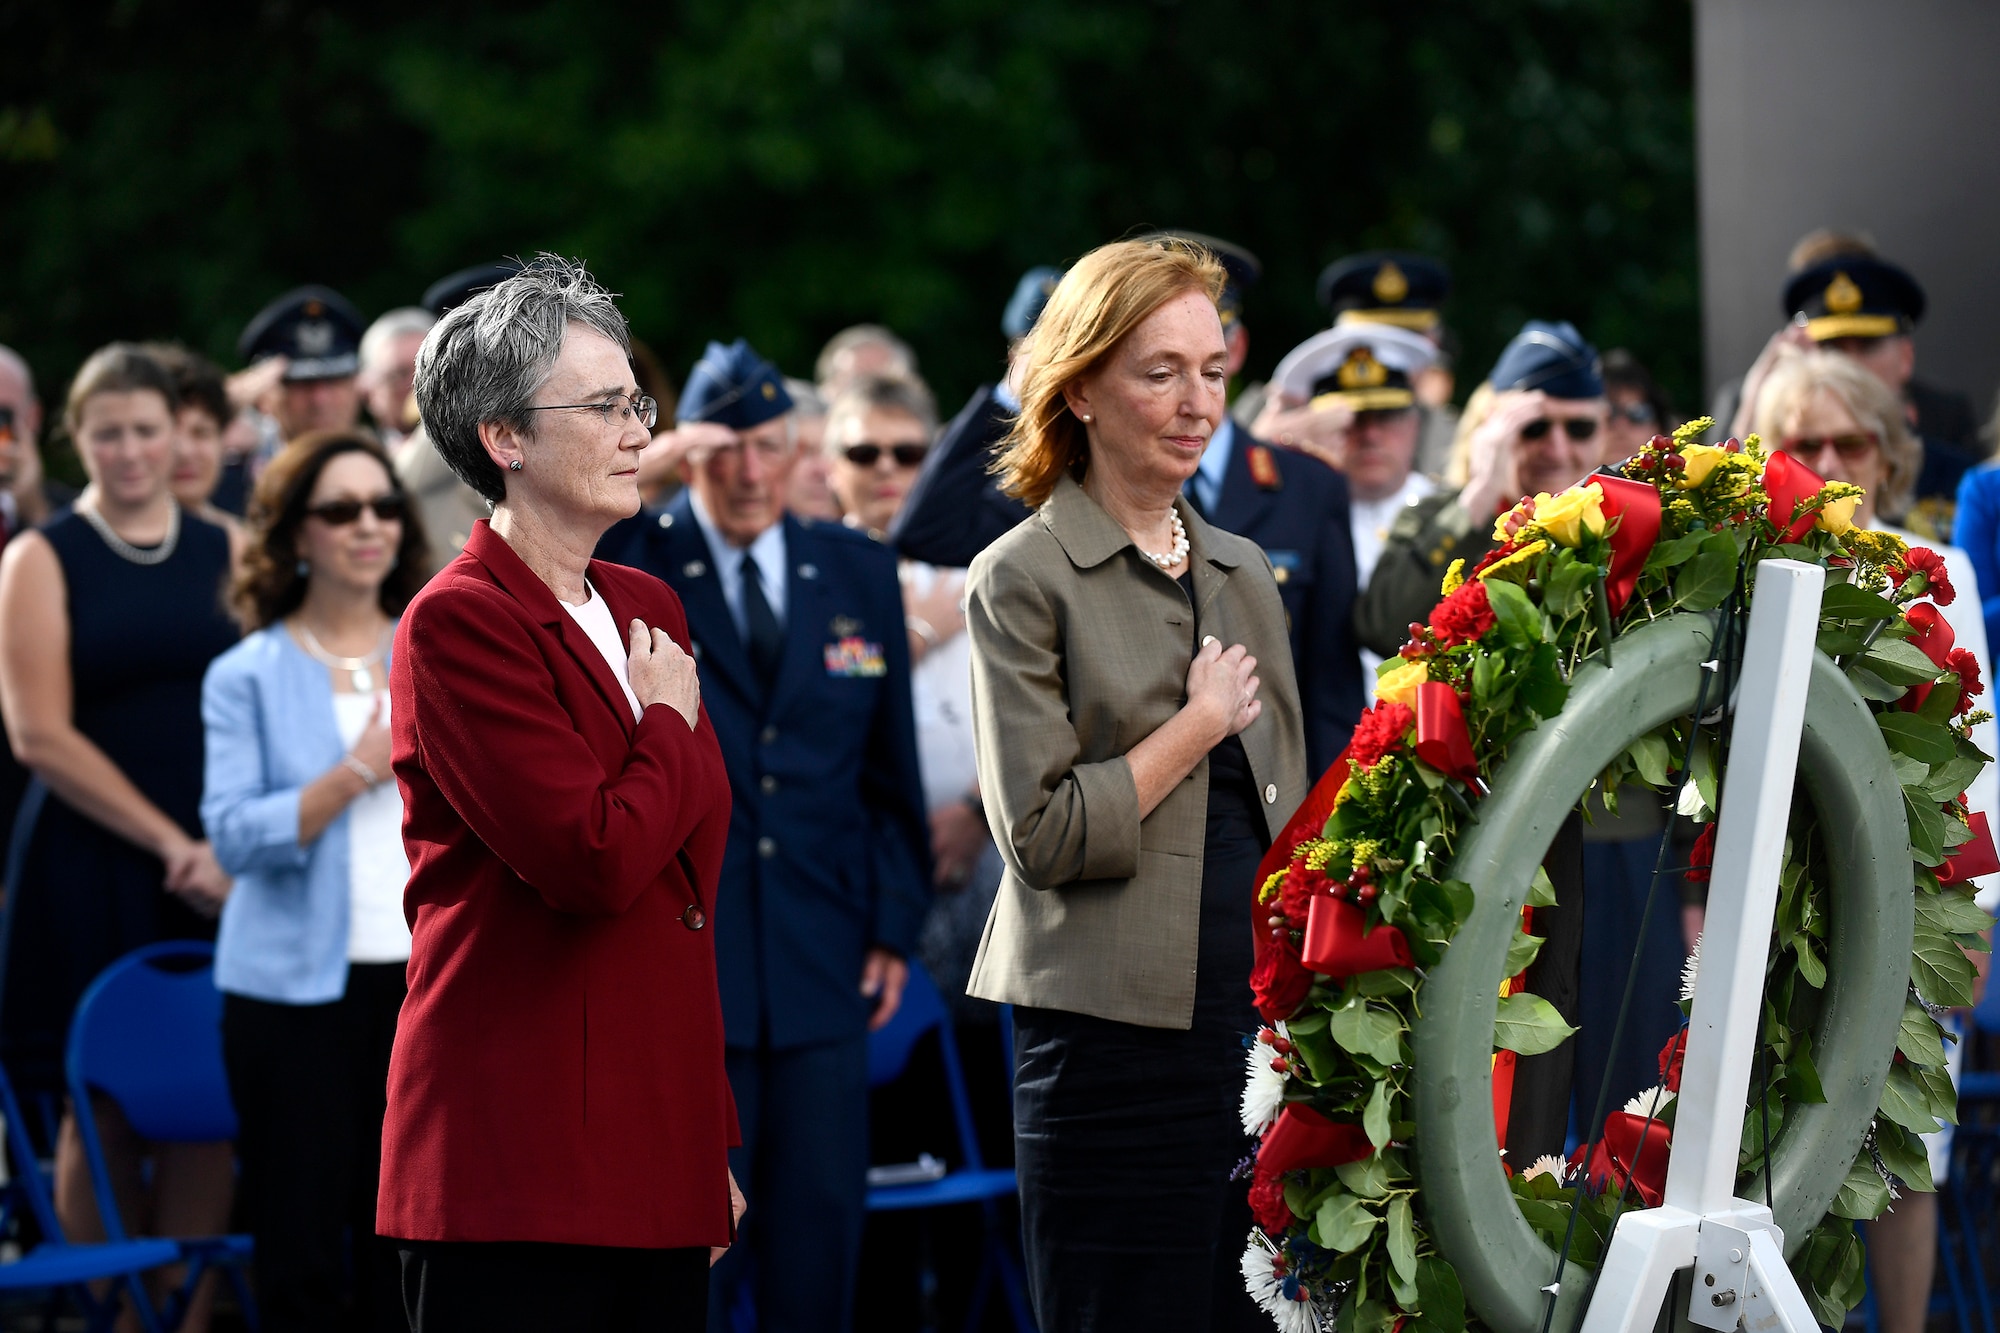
<point>1080,650</point>
<point>955,509</point>
<point>828,848</point>
<point>1425,538</point>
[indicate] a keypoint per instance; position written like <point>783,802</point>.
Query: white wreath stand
<point>1733,1246</point>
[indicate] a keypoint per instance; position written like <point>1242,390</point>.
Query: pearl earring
<point>514,466</point>
<point>1086,418</point>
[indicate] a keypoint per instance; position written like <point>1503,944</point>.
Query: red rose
<point>1463,617</point>
<point>1937,579</point>
<point>1672,1056</point>
<point>1268,1206</point>
<point>1380,730</point>
<point>1279,982</point>
<point>1702,858</point>
<point>1969,684</point>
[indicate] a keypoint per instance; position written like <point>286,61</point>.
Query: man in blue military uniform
<point>1293,506</point>
<point>798,633</point>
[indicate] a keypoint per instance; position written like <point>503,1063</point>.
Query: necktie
<point>762,634</point>
<point>1197,491</point>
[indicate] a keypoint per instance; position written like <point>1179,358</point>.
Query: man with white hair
<point>389,370</point>
<point>26,496</point>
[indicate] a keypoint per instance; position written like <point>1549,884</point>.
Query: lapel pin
<point>694,569</point>
<point>666,520</point>
<point>808,571</point>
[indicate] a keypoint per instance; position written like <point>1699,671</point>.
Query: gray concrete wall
<point>1869,114</point>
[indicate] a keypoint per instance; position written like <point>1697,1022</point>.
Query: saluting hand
<point>661,673</point>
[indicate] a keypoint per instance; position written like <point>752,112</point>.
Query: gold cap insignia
<point>1362,371</point>
<point>770,391</point>
<point>1842,296</point>
<point>1390,284</point>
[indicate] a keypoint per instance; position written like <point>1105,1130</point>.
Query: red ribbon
<point>1672,1056</point>
<point>1789,482</point>
<point>1442,741</point>
<point>1934,636</point>
<point>1278,980</point>
<point>1636,506</point>
<point>1975,858</point>
<point>1630,1139</point>
<point>1302,1138</point>
<point>1339,943</point>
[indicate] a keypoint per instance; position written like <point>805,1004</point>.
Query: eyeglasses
<point>867,455</point>
<point>1639,414</point>
<point>1577,428</point>
<point>621,408</point>
<point>339,513</point>
<point>1850,447</point>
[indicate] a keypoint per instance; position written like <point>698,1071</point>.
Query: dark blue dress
<point>78,895</point>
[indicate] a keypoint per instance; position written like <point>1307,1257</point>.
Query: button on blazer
<point>558,1071</point>
<point>1080,650</point>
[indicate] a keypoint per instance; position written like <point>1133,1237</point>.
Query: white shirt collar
<point>768,549</point>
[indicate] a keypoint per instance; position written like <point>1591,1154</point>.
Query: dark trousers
<point>1124,1141</point>
<point>310,1086</point>
<point>1616,876</point>
<point>803,1169</point>
<point>522,1287</point>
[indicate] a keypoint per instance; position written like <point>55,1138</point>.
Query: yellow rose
<point>1701,460</point>
<point>1399,683</point>
<point>1568,516</point>
<point>1837,516</point>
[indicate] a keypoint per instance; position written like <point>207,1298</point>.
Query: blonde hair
<point>1103,297</point>
<point>1458,463</point>
<point>1801,374</point>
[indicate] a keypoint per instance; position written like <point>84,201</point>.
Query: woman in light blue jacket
<point>298,804</point>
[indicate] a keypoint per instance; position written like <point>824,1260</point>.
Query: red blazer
<point>557,1074</point>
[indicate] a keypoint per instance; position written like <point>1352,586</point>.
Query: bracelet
<point>360,770</point>
<point>922,629</point>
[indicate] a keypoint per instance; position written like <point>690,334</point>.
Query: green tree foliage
<point>780,168</point>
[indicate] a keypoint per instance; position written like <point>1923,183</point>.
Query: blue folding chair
<point>148,1035</point>
<point>56,1266</point>
<point>922,1011</point>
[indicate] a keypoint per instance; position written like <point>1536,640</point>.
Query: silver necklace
<point>1175,556</point>
<point>138,555</point>
<point>358,670</point>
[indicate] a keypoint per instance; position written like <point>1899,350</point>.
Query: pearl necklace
<point>138,555</point>
<point>1175,556</point>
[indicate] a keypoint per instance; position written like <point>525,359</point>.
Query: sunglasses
<point>1639,414</point>
<point>339,513</point>
<point>1850,447</point>
<point>867,455</point>
<point>1577,428</point>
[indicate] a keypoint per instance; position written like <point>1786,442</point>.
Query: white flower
<point>1691,806</point>
<point>1690,970</point>
<point>1263,1088</point>
<point>1648,1103</point>
<point>1261,1280</point>
<point>1548,1165</point>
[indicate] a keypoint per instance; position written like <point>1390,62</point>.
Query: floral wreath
<point>1357,900</point>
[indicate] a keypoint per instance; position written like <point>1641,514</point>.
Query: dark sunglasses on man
<point>339,513</point>
<point>1639,414</point>
<point>1853,448</point>
<point>867,455</point>
<point>1577,428</point>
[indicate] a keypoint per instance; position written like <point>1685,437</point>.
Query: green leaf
<point>1520,622</point>
<point>1954,912</point>
<point>1832,1263</point>
<point>1802,1083</point>
<point>1917,737</point>
<point>1366,1030</point>
<point>1539,684</point>
<point>1844,601</point>
<point>1442,1299</point>
<point>1871,686</point>
<point>1521,951</point>
<point>1917,1036</point>
<point>1529,1025</point>
<point>1704,773</point>
<point>1367,1178</point>
<point>1862,1195</point>
<point>1652,759</point>
<point>1905,1154</point>
<point>1905,1101</point>
<point>1386,981</point>
<point>1947,780</point>
<point>1569,581</point>
<point>1707,579</point>
<point>1912,773</point>
<point>1375,1119</point>
<point>1939,969</point>
<point>1926,830</point>
<point>1404,1292</point>
<point>1344,1222</point>
<point>1940,1098</point>
<point>1402,1239</point>
<point>1541,891</point>
<point>1810,967</point>
<point>1900,662</point>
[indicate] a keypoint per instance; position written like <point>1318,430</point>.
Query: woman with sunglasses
<point>1832,414</point>
<point>299,803</point>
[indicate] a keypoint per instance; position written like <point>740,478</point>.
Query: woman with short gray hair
<point>555,1149</point>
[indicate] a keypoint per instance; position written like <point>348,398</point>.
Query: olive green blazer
<point>1080,650</point>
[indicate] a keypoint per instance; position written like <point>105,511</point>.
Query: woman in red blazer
<point>555,1150</point>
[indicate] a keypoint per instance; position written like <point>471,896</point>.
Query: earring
<point>1086,418</point>
<point>304,568</point>
<point>514,466</point>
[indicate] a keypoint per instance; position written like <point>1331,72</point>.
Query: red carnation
<point>1463,617</point>
<point>1267,1204</point>
<point>1379,731</point>
<point>1702,858</point>
<point>1937,579</point>
<point>1672,1056</point>
<point>1295,899</point>
<point>1492,557</point>
<point>1969,684</point>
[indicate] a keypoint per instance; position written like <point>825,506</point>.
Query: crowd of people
<point>348,659</point>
